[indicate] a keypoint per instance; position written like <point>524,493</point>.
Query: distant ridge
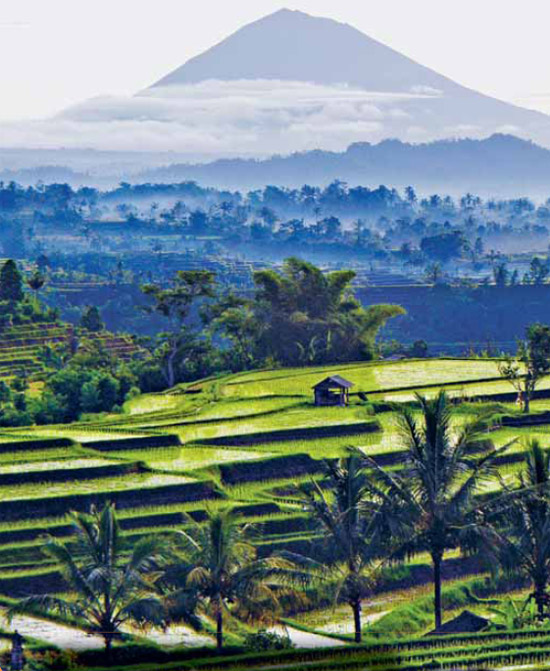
<point>500,164</point>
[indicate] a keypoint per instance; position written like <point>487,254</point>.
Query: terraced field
<point>244,440</point>
<point>21,346</point>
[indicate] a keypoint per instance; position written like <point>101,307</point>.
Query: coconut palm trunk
<point>351,524</point>
<point>108,638</point>
<point>356,607</point>
<point>437,561</point>
<point>540,598</point>
<point>219,569</point>
<point>525,547</point>
<point>219,627</point>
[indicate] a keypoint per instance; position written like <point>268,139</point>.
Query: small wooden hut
<point>333,390</point>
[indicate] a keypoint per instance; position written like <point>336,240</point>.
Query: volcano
<point>294,46</point>
<point>291,46</point>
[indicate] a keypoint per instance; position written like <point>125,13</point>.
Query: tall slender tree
<point>11,282</point>
<point>35,282</point>
<point>175,304</point>
<point>109,587</point>
<point>431,504</point>
<point>530,364</point>
<point>220,570</point>
<point>352,529</point>
<point>524,545</point>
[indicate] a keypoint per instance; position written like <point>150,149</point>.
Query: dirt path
<point>306,640</point>
<point>176,635</point>
<point>69,638</point>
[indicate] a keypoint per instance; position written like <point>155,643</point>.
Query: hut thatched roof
<point>334,381</point>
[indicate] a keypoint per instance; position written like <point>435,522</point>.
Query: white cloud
<point>427,90</point>
<point>241,118</point>
<point>221,118</point>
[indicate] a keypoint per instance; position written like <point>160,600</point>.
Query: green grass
<point>366,377</point>
<point>51,465</point>
<point>101,485</point>
<point>464,389</point>
<point>185,459</point>
<point>302,416</point>
<point>24,457</point>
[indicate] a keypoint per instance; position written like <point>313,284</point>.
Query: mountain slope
<point>294,46</point>
<point>291,45</point>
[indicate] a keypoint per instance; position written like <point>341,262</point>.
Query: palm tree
<point>524,545</point>
<point>220,570</point>
<point>351,527</point>
<point>108,587</point>
<point>431,503</point>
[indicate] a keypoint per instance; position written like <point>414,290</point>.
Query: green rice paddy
<point>253,407</point>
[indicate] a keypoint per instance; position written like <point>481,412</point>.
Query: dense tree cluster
<point>297,316</point>
<point>306,316</point>
<point>81,376</point>
<point>369,221</point>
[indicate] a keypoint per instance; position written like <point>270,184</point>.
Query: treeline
<point>374,222</point>
<point>338,197</point>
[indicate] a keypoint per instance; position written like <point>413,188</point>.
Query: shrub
<point>53,660</point>
<point>264,640</point>
<point>10,416</point>
<point>134,392</point>
<point>5,392</point>
<point>47,409</point>
<point>20,402</point>
<point>20,384</point>
<point>11,282</point>
<point>91,319</point>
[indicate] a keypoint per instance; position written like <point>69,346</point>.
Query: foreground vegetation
<point>255,442</point>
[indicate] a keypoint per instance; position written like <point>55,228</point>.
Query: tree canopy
<point>312,317</point>
<point>11,282</point>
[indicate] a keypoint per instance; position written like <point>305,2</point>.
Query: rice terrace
<point>247,441</point>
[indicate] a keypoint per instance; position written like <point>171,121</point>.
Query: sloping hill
<point>21,346</point>
<point>314,49</point>
<point>498,165</point>
<point>293,46</point>
<point>156,460</point>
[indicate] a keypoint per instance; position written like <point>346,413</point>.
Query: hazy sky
<point>58,52</point>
